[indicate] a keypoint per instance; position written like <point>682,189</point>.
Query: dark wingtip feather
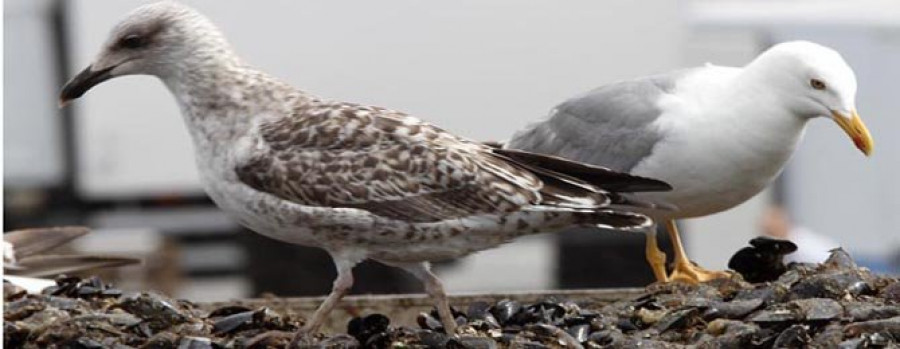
<point>493,144</point>
<point>596,175</point>
<point>631,201</point>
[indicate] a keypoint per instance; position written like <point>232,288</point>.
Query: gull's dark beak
<point>83,82</point>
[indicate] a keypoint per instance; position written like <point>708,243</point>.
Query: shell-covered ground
<point>834,304</point>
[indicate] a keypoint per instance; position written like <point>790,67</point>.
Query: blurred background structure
<point>120,160</point>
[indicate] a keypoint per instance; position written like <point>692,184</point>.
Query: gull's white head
<point>155,39</point>
<point>817,82</point>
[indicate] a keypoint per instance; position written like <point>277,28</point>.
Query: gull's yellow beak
<point>856,129</point>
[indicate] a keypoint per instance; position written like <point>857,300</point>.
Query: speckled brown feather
<point>334,154</point>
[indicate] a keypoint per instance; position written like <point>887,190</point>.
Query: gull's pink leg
<point>339,289</point>
<point>435,289</point>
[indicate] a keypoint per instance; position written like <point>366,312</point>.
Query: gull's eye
<point>132,41</point>
<point>817,84</point>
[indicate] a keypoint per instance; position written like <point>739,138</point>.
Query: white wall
<point>31,135</point>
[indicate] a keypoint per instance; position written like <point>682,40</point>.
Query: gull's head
<point>155,39</point>
<point>817,82</point>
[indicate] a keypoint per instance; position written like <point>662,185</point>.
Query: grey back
<point>610,126</point>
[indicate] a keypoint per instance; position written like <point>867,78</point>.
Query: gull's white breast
<point>718,154</point>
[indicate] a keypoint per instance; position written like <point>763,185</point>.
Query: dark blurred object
<point>290,270</point>
<point>595,258</point>
<point>763,260</point>
<point>23,253</point>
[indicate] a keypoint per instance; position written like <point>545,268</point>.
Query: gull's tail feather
<point>616,220</point>
<point>605,219</point>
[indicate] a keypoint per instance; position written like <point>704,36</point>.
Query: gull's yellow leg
<point>685,270</point>
<point>656,257</point>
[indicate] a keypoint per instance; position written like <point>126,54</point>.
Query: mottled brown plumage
<point>344,155</point>
<point>336,154</point>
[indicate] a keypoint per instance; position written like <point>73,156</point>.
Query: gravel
<point>834,304</point>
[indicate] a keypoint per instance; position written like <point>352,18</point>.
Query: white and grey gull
<point>361,182</point>
<point>717,134</point>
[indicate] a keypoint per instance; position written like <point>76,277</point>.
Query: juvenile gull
<point>718,135</point>
<point>361,182</point>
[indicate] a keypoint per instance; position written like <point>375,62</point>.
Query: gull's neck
<point>220,97</point>
<point>762,115</point>
<point>775,102</point>
<point>760,126</point>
